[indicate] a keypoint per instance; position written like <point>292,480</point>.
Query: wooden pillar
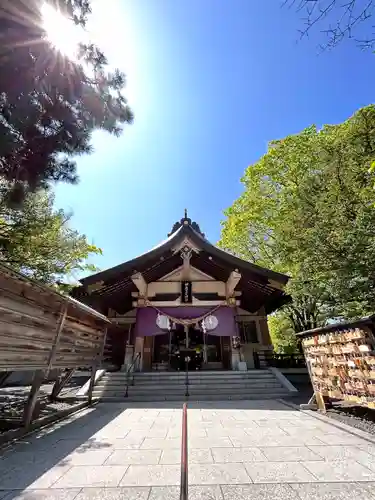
<point>100,360</point>
<point>147,353</point>
<point>59,330</point>
<point>40,375</point>
<point>138,349</point>
<point>264,331</point>
<point>226,352</point>
<point>33,397</point>
<point>92,383</point>
<point>3,377</point>
<point>264,340</point>
<point>96,363</point>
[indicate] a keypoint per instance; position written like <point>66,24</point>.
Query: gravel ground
<point>355,416</point>
<point>12,401</point>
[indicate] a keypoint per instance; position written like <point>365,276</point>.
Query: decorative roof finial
<point>185,221</point>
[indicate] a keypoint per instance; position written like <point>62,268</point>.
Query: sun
<point>61,32</point>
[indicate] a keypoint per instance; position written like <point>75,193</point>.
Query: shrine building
<point>186,303</point>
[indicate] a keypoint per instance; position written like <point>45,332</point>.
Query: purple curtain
<point>146,319</point>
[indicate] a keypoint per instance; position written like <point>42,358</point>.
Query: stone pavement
<point>237,450</point>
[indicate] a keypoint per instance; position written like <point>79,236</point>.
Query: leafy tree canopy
<point>49,105</point>
<point>37,240</point>
<point>308,210</point>
<point>282,333</point>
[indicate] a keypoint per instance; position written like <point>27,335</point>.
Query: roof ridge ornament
<point>186,221</point>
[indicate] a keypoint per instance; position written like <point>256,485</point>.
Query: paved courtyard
<point>237,450</point>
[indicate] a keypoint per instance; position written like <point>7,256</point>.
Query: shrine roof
<point>113,287</point>
<point>185,229</point>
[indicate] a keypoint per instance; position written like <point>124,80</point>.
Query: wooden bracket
<point>231,283</point>
<point>316,402</point>
<point>140,283</point>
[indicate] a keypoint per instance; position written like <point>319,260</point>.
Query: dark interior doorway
<point>190,345</point>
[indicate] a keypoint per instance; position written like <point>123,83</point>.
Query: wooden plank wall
<point>29,337</point>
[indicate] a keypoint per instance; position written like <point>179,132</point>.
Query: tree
<point>338,20</point>
<point>50,105</point>
<point>37,240</point>
<point>308,210</point>
<point>282,333</point>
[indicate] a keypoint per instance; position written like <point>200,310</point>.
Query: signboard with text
<point>186,292</point>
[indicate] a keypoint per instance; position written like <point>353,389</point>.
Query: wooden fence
<point>41,329</point>
<point>341,362</point>
<point>285,360</point>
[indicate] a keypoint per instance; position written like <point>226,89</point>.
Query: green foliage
<point>49,105</point>
<point>36,239</point>
<point>308,210</point>
<point>282,333</point>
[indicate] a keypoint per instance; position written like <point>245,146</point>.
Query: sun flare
<point>61,32</point>
<point>104,24</point>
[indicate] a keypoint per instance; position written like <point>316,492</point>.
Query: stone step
<point>193,376</point>
<point>165,385</point>
<point>210,385</point>
<point>250,373</point>
<point>190,377</point>
<point>198,387</point>
<point>201,376</point>
<point>192,389</point>
<point>195,380</point>
<point>195,373</point>
<point>201,392</point>
<point>209,397</point>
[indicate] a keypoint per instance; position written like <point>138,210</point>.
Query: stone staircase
<point>203,386</point>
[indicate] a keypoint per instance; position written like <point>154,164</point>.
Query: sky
<point>211,82</point>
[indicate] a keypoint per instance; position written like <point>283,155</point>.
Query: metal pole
<point>187,336</point>
<point>184,456</point>
<point>187,359</point>
<point>204,348</point>
<point>170,349</point>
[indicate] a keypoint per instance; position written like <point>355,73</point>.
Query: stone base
<point>308,406</point>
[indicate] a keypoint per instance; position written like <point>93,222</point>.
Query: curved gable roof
<point>185,231</point>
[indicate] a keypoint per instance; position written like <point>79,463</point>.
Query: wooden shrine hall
<point>186,301</point>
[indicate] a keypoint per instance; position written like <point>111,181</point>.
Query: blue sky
<point>211,82</point>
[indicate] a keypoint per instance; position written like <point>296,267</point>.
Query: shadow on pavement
<point>42,455</point>
<point>42,458</point>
